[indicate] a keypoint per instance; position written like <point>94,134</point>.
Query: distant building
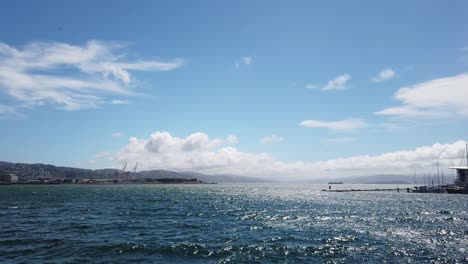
<point>8,178</point>
<point>462,176</point>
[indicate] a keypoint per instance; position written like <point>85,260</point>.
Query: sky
<point>290,89</point>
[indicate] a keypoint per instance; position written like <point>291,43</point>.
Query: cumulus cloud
<point>70,77</point>
<point>342,125</point>
<point>164,151</point>
<point>384,75</point>
<point>444,97</point>
<point>271,139</point>
<point>339,83</point>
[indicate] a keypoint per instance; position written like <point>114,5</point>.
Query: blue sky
<point>294,83</point>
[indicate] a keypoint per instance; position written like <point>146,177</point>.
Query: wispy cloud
<point>70,77</point>
<point>120,102</point>
<point>444,97</point>
<point>339,140</point>
<point>271,139</point>
<point>102,154</point>
<point>338,83</point>
<point>246,60</point>
<point>117,134</point>
<point>342,125</point>
<point>311,86</point>
<point>384,75</point>
<point>8,112</point>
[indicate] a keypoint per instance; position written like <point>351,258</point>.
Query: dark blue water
<point>228,223</point>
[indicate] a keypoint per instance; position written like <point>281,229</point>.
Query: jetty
<point>369,190</point>
<point>459,186</point>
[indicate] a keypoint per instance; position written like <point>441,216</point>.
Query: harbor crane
<point>117,173</point>
<point>124,171</point>
<point>134,175</point>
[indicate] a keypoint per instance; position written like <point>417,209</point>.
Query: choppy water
<point>228,223</point>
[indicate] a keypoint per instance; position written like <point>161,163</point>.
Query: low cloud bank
<point>200,153</point>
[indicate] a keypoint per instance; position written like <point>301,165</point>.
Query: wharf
<point>367,190</point>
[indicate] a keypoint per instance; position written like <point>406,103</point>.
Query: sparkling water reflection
<point>229,223</point>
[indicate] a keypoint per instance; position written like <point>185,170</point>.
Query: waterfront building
<point>8,178</point>
<point>462,176</point>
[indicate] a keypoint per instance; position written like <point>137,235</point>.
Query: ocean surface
<point>246,223</point>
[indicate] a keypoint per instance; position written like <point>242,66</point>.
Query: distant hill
<point>32,171</point>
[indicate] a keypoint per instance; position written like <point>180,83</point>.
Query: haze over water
<point>228,223</point>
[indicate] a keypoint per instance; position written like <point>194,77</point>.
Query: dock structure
<point>459,186</point>
<point>368,190</point>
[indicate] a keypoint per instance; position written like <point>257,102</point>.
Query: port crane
<point>124,171</point>
<point>134,176</point>
<point>117,173</point>
<point>45,174</point>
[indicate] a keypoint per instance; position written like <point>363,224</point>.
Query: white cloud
<point>120,102</point>
<point>247,60</point>
<point>70,77</point>
<point>117,134</point>
<point>444,97</point>
<point>342,125</point>
<point>271,139</point>
<point>339,83</point>
<point>164,151</point>
<point>232,140</point>
<point>311,86</point>
<point>384,75</point>
<point>8,112</point>
<point>339,140</point>
<point>92,161</point>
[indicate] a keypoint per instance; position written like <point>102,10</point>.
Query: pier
<point>368,190</point>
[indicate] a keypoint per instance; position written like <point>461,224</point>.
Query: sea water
<point>247,223</point>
